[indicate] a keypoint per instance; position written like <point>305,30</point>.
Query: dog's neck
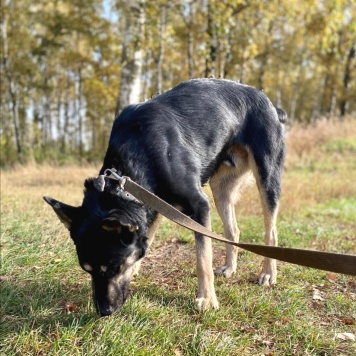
<point>125,198</point>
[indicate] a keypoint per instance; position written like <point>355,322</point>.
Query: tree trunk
<point>79,111</point>
<point>145,85</point>
<point>262,69</point>
<point>317,100</point>
<point>46,117</point>
<point>66,114</point>
<point>212,44</point>
<point>188,19</point>
<point>132,54</point>
<point>162,28</point>
<point>264,59</point>
<point>279,88</point>
<point>191,41</point>
<point>347,79</point>
<point>13,91</point>
<point>332,106</point>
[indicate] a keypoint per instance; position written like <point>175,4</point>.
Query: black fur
<point>171,145</point>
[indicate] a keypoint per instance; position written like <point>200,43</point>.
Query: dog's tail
<point>282,116</point>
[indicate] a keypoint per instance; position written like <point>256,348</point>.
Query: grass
<point>46,306</point>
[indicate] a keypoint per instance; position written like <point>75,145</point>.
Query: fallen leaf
<point>317,305</point>
<point>352,285</point>
<point>69,307</point>
<point>54,335</point>
<point>346,336</point>
<point>247,329</point>
<point>348,321</point>
<point>58,260</point>
<point>342,289</point>
<point>285,321</point>
<point>331,277</point>
<point>316,295</point>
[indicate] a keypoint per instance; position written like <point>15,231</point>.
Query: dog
<point>202,131</point>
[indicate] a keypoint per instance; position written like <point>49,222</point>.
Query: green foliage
<point>63,63</point>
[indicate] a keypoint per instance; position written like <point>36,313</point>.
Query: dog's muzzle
<point>109,295</point>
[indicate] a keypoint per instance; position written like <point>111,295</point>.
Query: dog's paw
<point>267,280</point>
<point>136,269</point>
<point>268,276</point>
<point>206,303</point>
<point>225,271</point>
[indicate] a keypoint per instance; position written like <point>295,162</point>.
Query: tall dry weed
<point>25,185</point>
<point>304,141</point>
<point>300,186</point>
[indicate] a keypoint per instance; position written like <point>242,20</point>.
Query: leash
<point>333,262</point>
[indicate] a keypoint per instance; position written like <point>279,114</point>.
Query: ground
<point>46,306</point>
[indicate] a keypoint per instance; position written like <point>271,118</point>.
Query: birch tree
<point>133,12</point>
<point>12,85</point>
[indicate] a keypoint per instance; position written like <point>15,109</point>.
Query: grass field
<point>46,306</point>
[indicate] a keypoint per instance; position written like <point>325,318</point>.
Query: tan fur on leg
<point>268,274</point>
<point>206,297</point>
<point>227,185</point>
<point>151,235</point>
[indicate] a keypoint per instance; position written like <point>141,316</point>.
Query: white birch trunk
<point>132,56</point>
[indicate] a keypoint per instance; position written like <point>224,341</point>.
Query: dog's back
<point>193,125</point>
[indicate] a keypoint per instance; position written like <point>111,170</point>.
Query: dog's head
<point>109,231</point>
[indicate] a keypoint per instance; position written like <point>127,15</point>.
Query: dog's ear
<point>111,224</point>
<point>115,223</point>
<point>65,213</point>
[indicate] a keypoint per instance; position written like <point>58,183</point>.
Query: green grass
<point>347,146</point>
<point>40,277</point>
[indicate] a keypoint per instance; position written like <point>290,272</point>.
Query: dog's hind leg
<point>227,185</point>
<point>268,179</point>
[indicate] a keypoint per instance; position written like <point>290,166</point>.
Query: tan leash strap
<point>333,262</point>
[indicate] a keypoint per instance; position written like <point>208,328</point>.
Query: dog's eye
<point>112,272</point>
<point>87,267</point>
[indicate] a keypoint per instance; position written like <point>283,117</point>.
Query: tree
<point>133,12</point>
<point>12,85</point>
<point>67,65</point>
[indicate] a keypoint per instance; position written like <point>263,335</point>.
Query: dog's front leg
<point>206,292</point>
<point>150,235</point>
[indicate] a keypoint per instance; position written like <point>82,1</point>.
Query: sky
<point>107,13</point>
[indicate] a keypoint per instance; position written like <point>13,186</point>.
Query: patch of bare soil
<point>168,263</point>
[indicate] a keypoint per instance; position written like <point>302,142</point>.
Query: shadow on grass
<point>47,305</point>
<point>29,305</point>
<point>179,300</point>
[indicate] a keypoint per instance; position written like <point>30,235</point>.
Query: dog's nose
<point>106,311</point>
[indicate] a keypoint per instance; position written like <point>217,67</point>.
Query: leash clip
<point>112,174</point>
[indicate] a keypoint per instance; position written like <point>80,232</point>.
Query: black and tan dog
<point>203,130</point>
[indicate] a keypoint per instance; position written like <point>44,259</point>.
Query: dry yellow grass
<point>311,175</point>
<point>37,180</point>
<point>316,170</point>
<point>304,142</point>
